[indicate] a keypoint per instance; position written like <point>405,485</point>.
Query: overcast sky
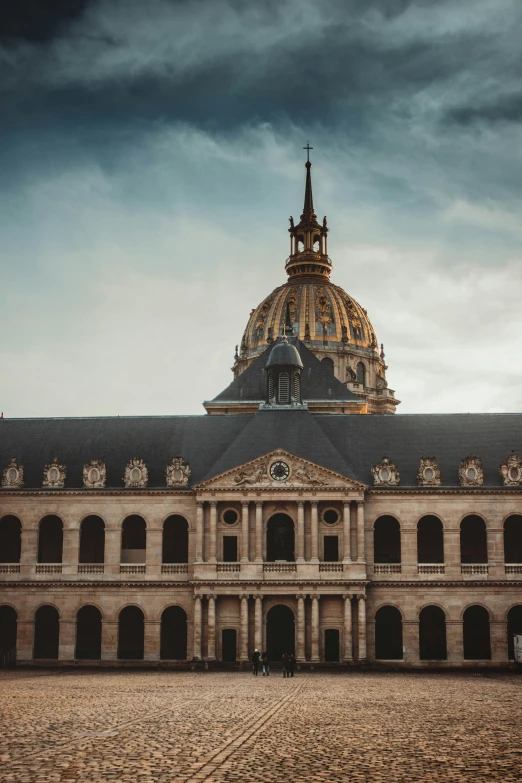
<point>151,153</point>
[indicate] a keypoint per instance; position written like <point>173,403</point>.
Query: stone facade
<point>343,595</point>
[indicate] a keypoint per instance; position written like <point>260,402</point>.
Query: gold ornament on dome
<point>322,304</point>
<point>136,474</point>
<point>54,475</point>
<point>13,475</point>
<point>511,471</point>
<point>429,472</point>
<point>385,474</point>
<point>94,474</point>
<point>178,473</point>
<point>470,472</point>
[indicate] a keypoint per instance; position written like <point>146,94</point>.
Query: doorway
<point>280,539</point>
<point>331,644</point>
<point>280,632</point>
<point>228,644</point>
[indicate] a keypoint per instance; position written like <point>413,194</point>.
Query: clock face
<point>279,470</point>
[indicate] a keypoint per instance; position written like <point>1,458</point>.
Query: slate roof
<point>317,380</point>
<point>348,444</point>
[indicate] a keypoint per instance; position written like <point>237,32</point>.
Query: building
<point>290,516</point>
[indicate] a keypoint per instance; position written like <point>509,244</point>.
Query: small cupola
<point>283,381</point>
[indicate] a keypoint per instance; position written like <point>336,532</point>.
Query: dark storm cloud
<point>508,108</point>
<point>37,21</point>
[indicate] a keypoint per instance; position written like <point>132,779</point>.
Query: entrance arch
<point>88,633</point>
<point>280,632</point>
<point>432,634</point>
<point>280,538</point>
<point>477,644</point>
<point>46,632</point>
<point>131,637</point>
<point>8,622</point>
<point>388,634</point>
<point>173,645</point>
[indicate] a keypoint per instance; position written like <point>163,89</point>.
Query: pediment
<point>267,472</point>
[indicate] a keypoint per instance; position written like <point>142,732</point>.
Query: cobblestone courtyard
<point>180,727</point>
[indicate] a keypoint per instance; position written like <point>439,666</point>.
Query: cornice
<point>243,583</point>
<point>445,491</point>
<point>87,492</point>
<point>439,583</point>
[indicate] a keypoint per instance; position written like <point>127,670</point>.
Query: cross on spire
<point>308,148</point>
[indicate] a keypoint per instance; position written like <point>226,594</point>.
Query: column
<point>212,558</point>
<point>112,548</point>
<point>199,533</point>
<point>314,533</point>
<point>109,645</point>
<point>211,621</point>
<point>244,532</point>
<point>24,640</point>
<point>152,633</point>
<point>243,649</point>
<point>348,656</point>
<point>258,623</point>
<point>362,627</point>
<point>154,553</point>
<point>71,549</point>
<point>361,555</point>
<point>315,628</point>
<point>197,628</point>
<point>259,531</point>
<point>67,640</point>
<point>28,553</point>
<point>300,651</point>
<point>347,549</point>
<point>499,644</point>
<point>410,641</point>
<point>300,532</point>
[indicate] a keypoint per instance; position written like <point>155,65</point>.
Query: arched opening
<point>387,540</point>
<point>175,540</point>
<point>280,632</point>
<point>331,644</point>
<point>133,540</point>
<point>388,634</point>
<point>430,540</point>
<point>473,540</point>
<point>50,540</point>
<point>173,644</point>
<point>432,634</point>
<point>513,539</point>
<point>280,539</point>
<point>328,364</point>
<point>131,633</point>
<point>92,540</point>
<point>88,633</point>
<point>46,632</point>
<point>229,644</point>
<point>477,645</point>
<point>10,539</point>
<point>514,626</point>
<point>8,621</point>
<point>360,372</point>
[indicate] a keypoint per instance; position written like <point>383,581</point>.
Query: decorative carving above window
<point>94,474</point>
<point>178,473</point>
<point>429,472</point>
<point>470,472</point>
<point>136,474</point>
<point>13,475</point>
<point>54,475</point>
<point>511,471</point>
<point>385,474</point>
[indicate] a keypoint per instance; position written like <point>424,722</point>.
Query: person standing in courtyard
<point>265,662</point>
<point>291,664</point>
<point>256,655</point>
<point>285,660</point>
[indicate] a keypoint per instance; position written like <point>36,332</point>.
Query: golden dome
<point>315,310</point>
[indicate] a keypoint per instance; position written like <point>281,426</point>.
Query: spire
<point>308,244</point>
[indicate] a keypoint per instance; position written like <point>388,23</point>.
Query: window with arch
<point>432,634</point>
<point>473,540</point>
<point>360,372</point>
<point>280,539</point>
<point>175,540</point>
<point>50,540</point>
<point>133,539</point>
<point>10,539</point>
<point>477,644</point>
<point>388,634</point>
<point>92,540</point>
<point>386,540</point>
<point>513,539</point>
<point>328,364</point>
<point>430,540</point>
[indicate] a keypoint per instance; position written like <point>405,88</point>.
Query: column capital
<point>200,503</point>
<point>244,596</point>
<point>213,503</point>
<point>300,503</point>
<point>315,597</point>
<point>259,596</point>
<point>347,596</point>
<point>314,503</point>
<point>361,596</point>
<point>259,503</point>
<point>360,503</point>
<point>346,502</point>
<point>300,597</point>
<point>198,596</point>
<point>245,502</point>
<point>210,597</point>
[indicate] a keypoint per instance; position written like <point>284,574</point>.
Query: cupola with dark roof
<point>283,376</point>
